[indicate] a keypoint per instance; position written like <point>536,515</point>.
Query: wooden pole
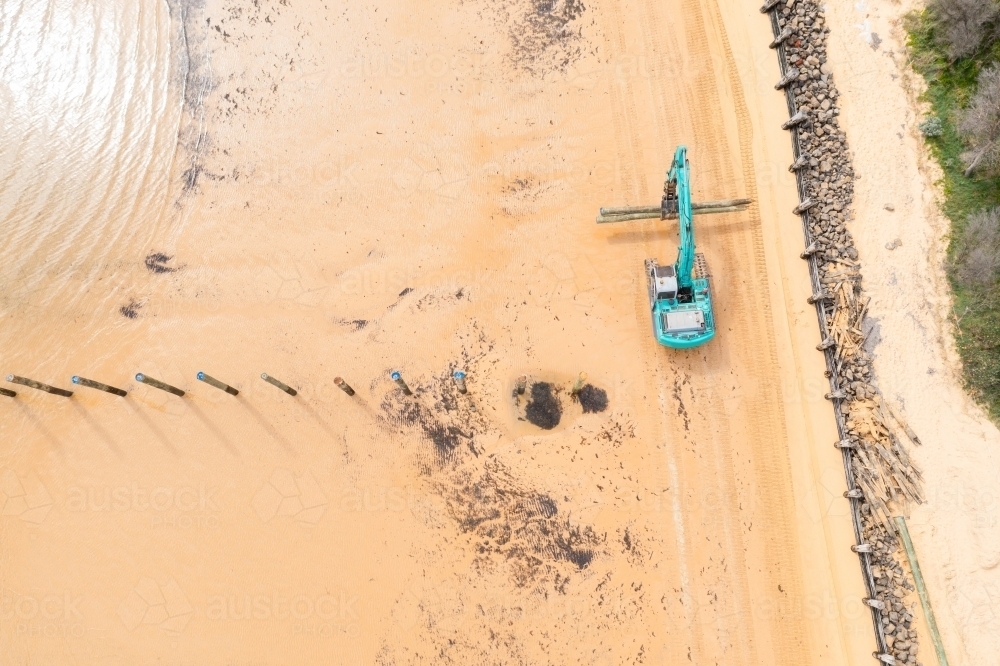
<point>274,382</point>
<point>398,378</point>
<point>703,206</point>
<point>609,219</point>
<point>156,383</point>
<point>90,383</point>
<point>925,600</point>
<point>31,383</point>
<point>212,381</point>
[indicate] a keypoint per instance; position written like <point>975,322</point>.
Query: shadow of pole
<point>38,424</point>
<point>101,432</point>
<point>137,411</point>
<point>314,415</point>
<point>212,428</point>
<point>638,234</point>
<point>268,428</point>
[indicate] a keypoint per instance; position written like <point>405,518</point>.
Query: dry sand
<point>957,532</point>
<point>379,186</point>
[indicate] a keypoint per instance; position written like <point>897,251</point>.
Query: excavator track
<point>701,267</point>
<point>650,265</point>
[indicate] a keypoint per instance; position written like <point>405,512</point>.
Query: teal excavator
<point>680,295</point>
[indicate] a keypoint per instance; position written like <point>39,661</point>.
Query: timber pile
<point>882,467</point>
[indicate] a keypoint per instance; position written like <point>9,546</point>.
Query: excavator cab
<point>668,205</point>
<point>682,316</point>
<point>663,283</point>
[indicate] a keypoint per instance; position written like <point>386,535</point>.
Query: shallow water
<point>89,135</point>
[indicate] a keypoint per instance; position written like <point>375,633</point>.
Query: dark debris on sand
<point>449,423</point>
<point>156,262</point>
<point>543,409</point>
<point>131,309</point>
<point>519,526</point>
<point>545,35</point>
<point>516,527</point>
<point>592,399</point>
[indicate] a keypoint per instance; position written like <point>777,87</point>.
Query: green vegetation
<point>952,89</point>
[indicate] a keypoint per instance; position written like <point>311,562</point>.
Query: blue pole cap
<point>459,374</point>
<point>139,377</point>
<point>76,380</point>
<point>395,374</point>
<point>201,375</point>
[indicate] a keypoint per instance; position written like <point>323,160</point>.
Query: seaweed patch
<point>543,409</point>
<point>545,35</point>
<point>131,309</point>
<point>156,262</point>
<point>450,424</point>
<point>519,526</point>
<point>592,399</point>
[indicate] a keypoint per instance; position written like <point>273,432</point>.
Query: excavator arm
<point>677,202</point>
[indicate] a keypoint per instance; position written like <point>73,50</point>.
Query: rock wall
<point>881,478</point>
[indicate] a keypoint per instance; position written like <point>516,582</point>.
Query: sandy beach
<point>312,191</point>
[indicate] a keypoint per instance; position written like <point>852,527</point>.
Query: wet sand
<point>311,192</point>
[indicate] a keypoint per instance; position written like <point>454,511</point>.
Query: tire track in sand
<point>652,417</point>
<point>769,489</point>
<point>715,523</point>
<point>666,432</point>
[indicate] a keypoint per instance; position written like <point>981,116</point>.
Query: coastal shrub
<point>931,127</point>
<point>979,123</point>
<point>977,251</point>
<point>951,86</point>
<point>961,25</point>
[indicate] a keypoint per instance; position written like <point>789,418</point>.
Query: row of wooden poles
<point>458,376</point>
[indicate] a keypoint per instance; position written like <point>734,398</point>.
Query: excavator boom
<point>679,178</point>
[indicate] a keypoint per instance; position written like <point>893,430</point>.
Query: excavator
<point>680,295</point>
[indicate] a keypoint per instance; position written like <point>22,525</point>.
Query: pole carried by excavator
<point>680,297</point>
<point>627,213</point>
